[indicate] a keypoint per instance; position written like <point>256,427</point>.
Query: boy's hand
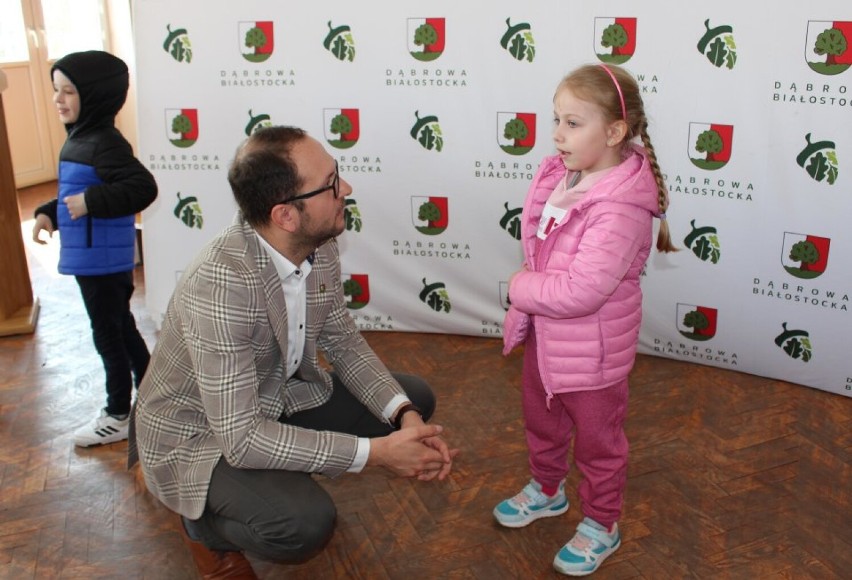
<point>42,222</point>
<point>76,205</point>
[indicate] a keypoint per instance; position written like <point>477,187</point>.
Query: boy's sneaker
<point>530,505</point>
<point>587,549</point>
<point>101,430</point>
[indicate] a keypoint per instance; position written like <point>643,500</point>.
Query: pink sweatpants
<point>595,422</point>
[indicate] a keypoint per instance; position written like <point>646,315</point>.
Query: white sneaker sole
<point>606,554</point>
<point>532,517</point>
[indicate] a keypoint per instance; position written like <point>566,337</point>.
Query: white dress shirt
<point>293,279</point>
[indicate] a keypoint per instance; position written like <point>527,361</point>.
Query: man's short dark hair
<point>263,174</point>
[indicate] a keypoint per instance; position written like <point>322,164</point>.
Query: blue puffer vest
<point>91,246</point>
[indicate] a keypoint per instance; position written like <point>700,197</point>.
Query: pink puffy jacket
<point>581,292</point>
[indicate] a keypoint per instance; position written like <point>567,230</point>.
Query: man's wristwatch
<point>397,421</point>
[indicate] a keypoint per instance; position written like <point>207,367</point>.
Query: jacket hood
<point>630,182</point>
<point>102,80</point>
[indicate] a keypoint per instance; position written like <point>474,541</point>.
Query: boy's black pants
<point>123,350</point>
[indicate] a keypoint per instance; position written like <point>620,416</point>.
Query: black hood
<point>101,80</point>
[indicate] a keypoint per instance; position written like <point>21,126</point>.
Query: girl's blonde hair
<point>622,102</point>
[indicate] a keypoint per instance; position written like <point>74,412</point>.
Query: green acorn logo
<point>511,221</point>
<point>339,42</point>
<point>796,343</point>
<point>718,45</point>
<point>188,210</point>
<point>177,44</point>
<point>427,132</point>
<point>257,122</point>
<point>435,296</point>
<point>704,243</point>
<point>352,215</point>
<point>821,159</point>
<point>518,41</point>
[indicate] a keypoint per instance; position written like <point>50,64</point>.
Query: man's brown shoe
<point>215,564</point>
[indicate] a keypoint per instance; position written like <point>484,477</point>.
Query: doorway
<point>33,35</point>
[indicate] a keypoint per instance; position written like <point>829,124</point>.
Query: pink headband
<point>618,87</point>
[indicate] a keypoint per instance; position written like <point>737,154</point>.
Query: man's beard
<point>315,239</point>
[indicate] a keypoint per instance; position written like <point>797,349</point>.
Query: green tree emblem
<point>425,35</point>
<point>429,212</point>
<point>188,210</point>
<point>805,252</point>
<point>340,43</point>
<point>516,129</point>
<point>718,45</point>
<point>352,215</point>
<point>177,44</point>
<point>511,221</point>
<point>435,296</point>
<point>830,43</point>
<point>341,125</point>
<point>181,125</point>
<point>709,142</point>
<point>698,321</point>
<point>256,39</point>
<point>352,288</point>
<point>614,37</point>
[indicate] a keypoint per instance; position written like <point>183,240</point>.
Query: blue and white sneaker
<point>589,547</point>
<point>530,505</point>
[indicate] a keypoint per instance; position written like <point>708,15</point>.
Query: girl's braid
<point>664,238</point>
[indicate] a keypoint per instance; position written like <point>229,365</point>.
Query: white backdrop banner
<point>439,115</point>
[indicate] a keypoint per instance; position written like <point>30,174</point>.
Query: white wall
<point>750,207</point>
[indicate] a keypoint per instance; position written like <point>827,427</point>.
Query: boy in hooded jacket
<point>101,187</point>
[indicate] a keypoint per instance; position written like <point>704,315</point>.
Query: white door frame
<point>35,133</point>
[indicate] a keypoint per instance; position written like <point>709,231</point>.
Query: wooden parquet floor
<point>731,475</point>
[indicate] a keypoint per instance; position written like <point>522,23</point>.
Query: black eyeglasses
<point>334,186</point>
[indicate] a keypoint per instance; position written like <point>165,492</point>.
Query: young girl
<point>576,305</point>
